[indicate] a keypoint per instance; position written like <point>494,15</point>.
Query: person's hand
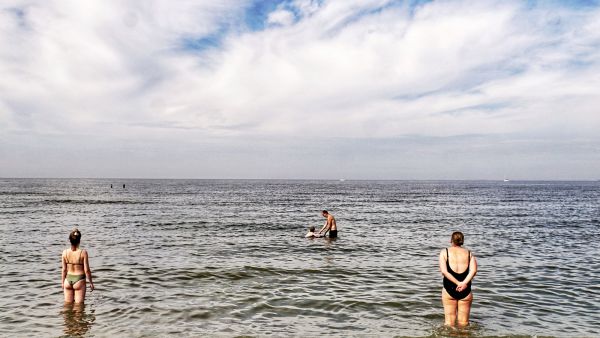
<point>91,287</point>
<point>461,286</point>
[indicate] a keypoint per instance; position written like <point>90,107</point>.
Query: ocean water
<point>228,258</point>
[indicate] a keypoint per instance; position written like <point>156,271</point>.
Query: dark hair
<point>324,212</point>
<point>458,238</point>
<point>75,237</point>
<point>312,229</point>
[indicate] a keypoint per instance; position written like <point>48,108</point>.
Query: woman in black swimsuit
<point>456,294</point>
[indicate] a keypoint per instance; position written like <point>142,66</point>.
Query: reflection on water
<point>77,321</point>
<point>471,330</point>
<point>328,243</point>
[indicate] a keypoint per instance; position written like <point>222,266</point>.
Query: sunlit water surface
<point>204,258</point>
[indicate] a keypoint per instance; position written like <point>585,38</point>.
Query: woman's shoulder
<point>458,250</point>
<point>464,251</point>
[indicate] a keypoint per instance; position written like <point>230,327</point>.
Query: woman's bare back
<point>75,260</point>
<point>458,260</point>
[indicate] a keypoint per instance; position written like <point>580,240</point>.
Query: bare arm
<point>88,272</point>
<point>64,270</point>
<point>325,226</point>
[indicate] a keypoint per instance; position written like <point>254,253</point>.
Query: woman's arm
<point>64,270</point>
<point>472,271</point>
<point>88,272</point>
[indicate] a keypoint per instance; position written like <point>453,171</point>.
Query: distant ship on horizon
<point>506,179</point>
<point>342,179</point>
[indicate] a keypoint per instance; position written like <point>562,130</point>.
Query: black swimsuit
<point>450,286</point>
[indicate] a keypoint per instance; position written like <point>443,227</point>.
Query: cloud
<point>194,72</point>
<point>407,70</point>
<point>281,17</point>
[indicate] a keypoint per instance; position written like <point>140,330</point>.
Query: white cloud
<point>344,68</point>
<point>281,17</point>
<point>456,55</point>
<point>306,7</point>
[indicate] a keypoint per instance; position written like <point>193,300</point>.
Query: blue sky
<point>302,89</point>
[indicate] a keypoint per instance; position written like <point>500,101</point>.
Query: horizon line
<point>297,179</point>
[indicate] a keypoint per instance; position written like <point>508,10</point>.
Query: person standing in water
<point>75,269</point>
<point>456,293</point>
<point>329,225</point>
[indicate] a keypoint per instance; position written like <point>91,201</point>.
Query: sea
<point>228,258</point>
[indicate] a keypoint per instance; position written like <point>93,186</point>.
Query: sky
<point>300,89</point>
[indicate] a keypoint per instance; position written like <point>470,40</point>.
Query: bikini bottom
<point>72,279</point>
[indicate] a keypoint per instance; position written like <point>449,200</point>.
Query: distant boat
<point>506,179</point>
<point>342,179</point>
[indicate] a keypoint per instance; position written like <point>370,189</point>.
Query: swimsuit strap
<point>448,259</point>
<point>78,261</point>
<point>469,264</point>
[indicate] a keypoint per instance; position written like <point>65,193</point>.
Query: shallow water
<point>202,258</point>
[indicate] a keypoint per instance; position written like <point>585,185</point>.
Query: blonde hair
<point>75,237</point>
<point>458,238</point>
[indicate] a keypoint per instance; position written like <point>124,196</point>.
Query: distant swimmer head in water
<point>75,237</point>
<point>458,238</point>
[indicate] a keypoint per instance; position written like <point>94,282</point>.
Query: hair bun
<point>458,238</point>
<point>75,237</point>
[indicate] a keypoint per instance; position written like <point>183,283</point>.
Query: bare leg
<point>79,291</point>
<point>464,308</point>
<point>450,307</point>
<point>68,291</point>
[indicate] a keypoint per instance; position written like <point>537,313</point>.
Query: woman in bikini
<point>456,293</point>
<point>75,268</point>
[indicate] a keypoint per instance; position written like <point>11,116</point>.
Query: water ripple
<point>204,258</point>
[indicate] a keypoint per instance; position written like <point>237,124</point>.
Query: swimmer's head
<point>75,237</point>
<point>324,212</point>
<point>312,229</point>
<point>458,238</point>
